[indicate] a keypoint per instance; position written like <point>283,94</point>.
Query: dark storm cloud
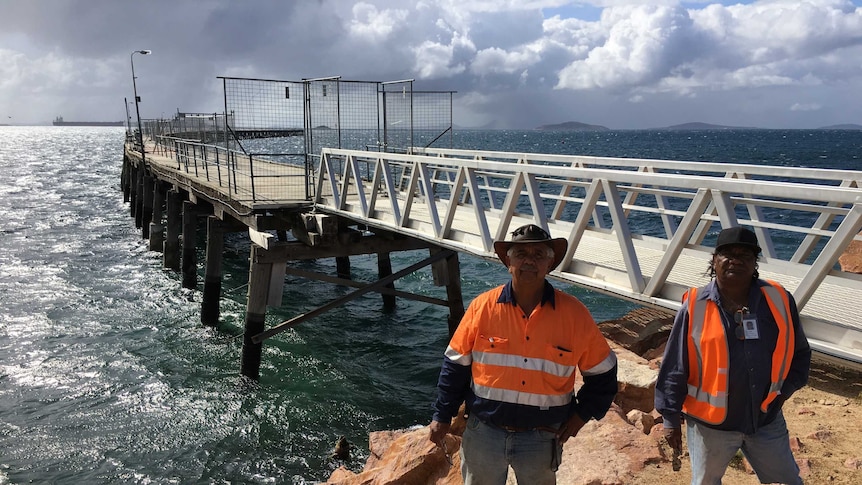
<point>516,63</point>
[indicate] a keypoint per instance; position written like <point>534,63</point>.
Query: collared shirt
<point>518,370</point>
<point>750,365</point>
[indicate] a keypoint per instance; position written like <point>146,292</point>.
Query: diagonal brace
<point>281,327</point>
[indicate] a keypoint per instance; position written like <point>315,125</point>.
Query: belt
<point>513,429</point>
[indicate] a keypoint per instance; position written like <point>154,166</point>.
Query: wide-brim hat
<point>532,233</point>
<point>739,236</point>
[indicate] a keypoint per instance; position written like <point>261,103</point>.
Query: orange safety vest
<point>709,359</point>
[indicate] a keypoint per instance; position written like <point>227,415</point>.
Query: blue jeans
<point>488,451</point>
<point>767,450</point>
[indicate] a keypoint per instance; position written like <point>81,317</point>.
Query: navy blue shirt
<point>748,377</point>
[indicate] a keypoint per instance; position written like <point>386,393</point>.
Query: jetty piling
<point>173,207</point>
<point>213,272</point>
<point>157,229</point>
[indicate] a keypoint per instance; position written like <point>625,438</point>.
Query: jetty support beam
<point>448,273</point>
<point>213,272</point>
<point>157,230</point>
<point>285,325</point>
<point>171,257</point>
<point>190,260</point>
<point>147,216</point>
<point>259,277</point>
<point>139,199</point>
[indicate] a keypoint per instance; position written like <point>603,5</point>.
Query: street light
<point>138,100</point>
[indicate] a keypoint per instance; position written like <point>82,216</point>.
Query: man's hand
<point>570,428</point>
<point>438,431</point>
<point>674,438</point>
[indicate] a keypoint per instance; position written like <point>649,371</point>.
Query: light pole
<point>138,100</point>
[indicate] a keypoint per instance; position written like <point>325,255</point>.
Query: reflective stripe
<point>602,367</point>
<point>523,363</point>
<point>779,304</point>
<point>518,397</point>
<point>719,399</point>
<point>454,356</point>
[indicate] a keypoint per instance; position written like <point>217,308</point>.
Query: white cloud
<point>373,25</point>
<point>805,107</point>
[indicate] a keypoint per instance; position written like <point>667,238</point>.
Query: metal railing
<point>638,229</point>
<point>246,177</point>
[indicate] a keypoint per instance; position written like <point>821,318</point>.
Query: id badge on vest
<point>746,325</point>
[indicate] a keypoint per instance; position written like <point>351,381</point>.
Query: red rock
<point>820,435</point>
<point>409,458</point>
<point>851,260</point>
<point>610,451</point>
<point>804,465</point>
<point>853,463</point>
<point>795,444</point>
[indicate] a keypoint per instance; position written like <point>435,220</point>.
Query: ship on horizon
<point>60,122</point>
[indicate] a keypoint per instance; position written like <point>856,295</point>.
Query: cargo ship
<point>60,122</point>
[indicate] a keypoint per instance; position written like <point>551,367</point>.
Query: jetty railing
<point>247,177</point>
<point>638,229</point>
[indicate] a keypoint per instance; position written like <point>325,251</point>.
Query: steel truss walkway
<point>641,230</point>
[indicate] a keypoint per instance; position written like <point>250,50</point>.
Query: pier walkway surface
<point>641,230</point>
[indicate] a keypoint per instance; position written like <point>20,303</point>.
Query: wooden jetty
<point>171,186</point>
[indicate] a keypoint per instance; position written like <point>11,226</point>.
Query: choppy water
<point>107,375</point>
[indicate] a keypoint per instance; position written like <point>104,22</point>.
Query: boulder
<point>404,458</point>
<point>851,260</point>
<point>610,451</point>
<point>636,380</point>
<point>639,330</point>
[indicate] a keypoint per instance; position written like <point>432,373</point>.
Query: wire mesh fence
<point>270,123</point>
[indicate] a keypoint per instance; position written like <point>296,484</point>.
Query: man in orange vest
<point>735,354</point>
<point>513,359</point>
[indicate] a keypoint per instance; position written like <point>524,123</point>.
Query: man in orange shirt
<point>513,359</point>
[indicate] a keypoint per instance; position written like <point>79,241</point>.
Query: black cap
<point>737,235</point>
<point>532,233</point>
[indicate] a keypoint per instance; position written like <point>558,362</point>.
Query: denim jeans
<point>767,450</point>
<point>488,451</point>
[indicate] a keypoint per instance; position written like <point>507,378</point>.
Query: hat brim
<point>560,245</point>
<point>753,247</point>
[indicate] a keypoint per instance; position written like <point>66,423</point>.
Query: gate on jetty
<point>637,229</point>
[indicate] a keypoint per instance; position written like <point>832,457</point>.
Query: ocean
<point>108,376</point>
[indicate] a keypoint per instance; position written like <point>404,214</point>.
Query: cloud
<point>373,25</point>
<point>530,61</point>
<point>805,107</point>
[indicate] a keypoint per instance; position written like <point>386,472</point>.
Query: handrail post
<point>251,178</point>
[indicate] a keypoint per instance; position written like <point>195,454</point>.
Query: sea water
<point>108,376</point>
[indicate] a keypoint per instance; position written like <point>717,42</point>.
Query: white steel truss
<point>637,229</point>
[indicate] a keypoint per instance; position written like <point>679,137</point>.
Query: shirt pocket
<point>487,343</point>
<point>560,355</point>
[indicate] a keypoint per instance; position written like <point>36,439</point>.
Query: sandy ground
<point>825,416</point>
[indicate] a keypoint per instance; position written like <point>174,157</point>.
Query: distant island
<point>845,126</point>
<point>693,126</point>
<point>705,126</point>
<point>573,126</point>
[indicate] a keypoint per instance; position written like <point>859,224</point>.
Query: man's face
<point>529,262</point>
<point>734,264</point>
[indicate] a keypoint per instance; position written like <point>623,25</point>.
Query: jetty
<point>372,171</point>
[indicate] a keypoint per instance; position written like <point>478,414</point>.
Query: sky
<point>514,64</point>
